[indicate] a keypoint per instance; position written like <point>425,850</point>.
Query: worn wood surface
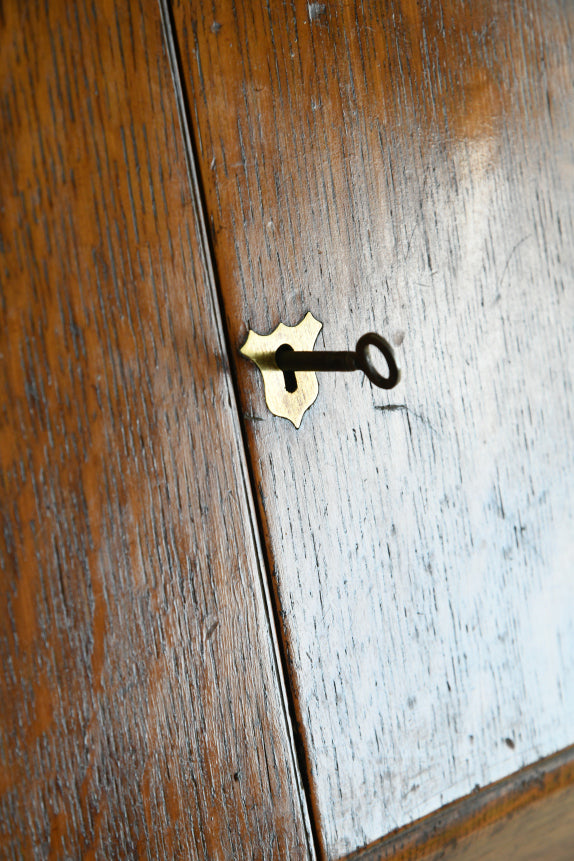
<point>141,709</point>
<point>526,817</point>
<point>405,168</point>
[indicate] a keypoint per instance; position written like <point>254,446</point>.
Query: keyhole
<point>289,376</point>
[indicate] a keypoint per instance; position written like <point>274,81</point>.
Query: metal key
<point>289,360</point>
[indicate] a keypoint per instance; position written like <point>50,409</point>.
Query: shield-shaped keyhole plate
<point>283,397</point>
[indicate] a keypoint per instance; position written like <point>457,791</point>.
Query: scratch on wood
<point>391,408</point>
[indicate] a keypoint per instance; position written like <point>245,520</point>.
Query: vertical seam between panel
<point>297,763</point>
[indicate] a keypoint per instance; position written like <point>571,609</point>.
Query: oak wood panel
<point>142,712</point>
<point>526,817</point>
<point>407,168</point>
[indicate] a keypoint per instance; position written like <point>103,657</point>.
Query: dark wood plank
<point>406,168</point>
<point>142,711</point>
<point>527,817</point>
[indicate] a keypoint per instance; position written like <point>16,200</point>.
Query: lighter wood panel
<point>141,709</point>
<point>406,168</point>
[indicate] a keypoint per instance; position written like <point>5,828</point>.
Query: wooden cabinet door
<point>405,168</point>
<point>141,704</point>
<point>396,167</point>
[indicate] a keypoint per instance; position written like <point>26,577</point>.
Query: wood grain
<point>142,711</point>
<point>406,168</point>
<point>527,817</point>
